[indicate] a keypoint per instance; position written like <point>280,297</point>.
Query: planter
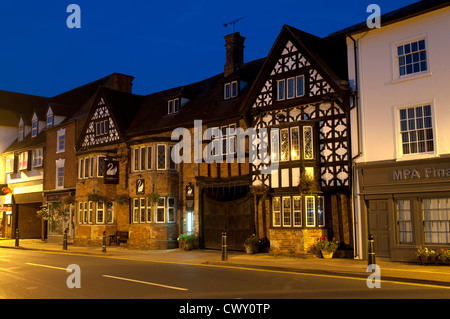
<point>327,254</point>
<point>250,249</point>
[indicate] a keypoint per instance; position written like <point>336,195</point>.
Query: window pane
<point>295,140</point>
<point>308,151</point>
<point>286,211</point>
<point>161,157</point>
<point>285,145</point>
<point>281,90</point>
<point>290,88</point>
<point>300,85</point>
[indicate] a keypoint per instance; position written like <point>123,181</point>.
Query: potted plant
<point>188,241</point>
<point>251,244</point>
<point>326,247</point>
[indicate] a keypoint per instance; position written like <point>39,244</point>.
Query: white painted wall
<point>382,94</point>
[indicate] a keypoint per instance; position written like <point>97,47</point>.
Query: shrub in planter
<point>188,241</point>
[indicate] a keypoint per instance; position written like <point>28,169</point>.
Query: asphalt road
<point>42,275</point>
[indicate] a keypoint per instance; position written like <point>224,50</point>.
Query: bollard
<point>65,240</point>
<point>17,237</point>
<point>224,247</point>
<point>104,242</point>
<point>371,252</point>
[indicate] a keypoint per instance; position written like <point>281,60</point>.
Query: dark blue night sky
<point>162,44</point>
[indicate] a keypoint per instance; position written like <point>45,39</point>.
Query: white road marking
<point>146,283</point>
<point>46,266</point>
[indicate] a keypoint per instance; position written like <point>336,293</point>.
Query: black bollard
<point>371,252</point>
<point>224,247</point>
<point>104,242</point>
<point>17,237</point>
<point>65,240</point>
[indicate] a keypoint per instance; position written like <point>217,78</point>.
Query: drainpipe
<point>356,105</point>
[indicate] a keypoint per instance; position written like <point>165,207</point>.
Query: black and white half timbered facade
<point>301,100</point>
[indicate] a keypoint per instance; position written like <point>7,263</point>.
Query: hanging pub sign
<point>189,197</point>
<point>111,172</point>
<point>140,186</point>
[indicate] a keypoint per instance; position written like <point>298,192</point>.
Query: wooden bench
<point>118,237</point>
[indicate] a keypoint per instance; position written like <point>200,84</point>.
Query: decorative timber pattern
<point>331,124</point>
<point>101,128</point>
<point>290,60</point>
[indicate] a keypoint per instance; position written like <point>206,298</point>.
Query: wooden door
<point>378,219</point>
<point>234,217</point>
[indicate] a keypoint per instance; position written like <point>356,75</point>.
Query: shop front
<point>405,205</point>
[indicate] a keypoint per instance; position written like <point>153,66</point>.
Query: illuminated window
<point>276,207</point>
<point>310,211</point>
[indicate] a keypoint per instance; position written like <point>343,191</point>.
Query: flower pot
<point>327,254</point>
<point>250,249</point>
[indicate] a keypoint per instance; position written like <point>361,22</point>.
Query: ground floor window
<point>404,223</point>
<point>436,220</point>
<point>291,211</point>
<point>95,212</point>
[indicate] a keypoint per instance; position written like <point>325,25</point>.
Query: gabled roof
<point>401,14</point>
<point>329,55</point>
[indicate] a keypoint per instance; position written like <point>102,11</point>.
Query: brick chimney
<point>120,82</point>
<point>235,52</point>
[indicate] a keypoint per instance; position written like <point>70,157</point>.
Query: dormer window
<point>49,120</point>
<point>230,90</point>
<point>34,128</point>
<point>21,132</point>
<point>173,106</point>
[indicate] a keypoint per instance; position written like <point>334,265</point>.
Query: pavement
<point>434,275</point>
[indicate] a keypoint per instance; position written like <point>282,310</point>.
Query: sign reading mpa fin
<point>420,173</point>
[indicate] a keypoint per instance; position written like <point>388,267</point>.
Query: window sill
<point>411,157</point>
<point>410,77</point>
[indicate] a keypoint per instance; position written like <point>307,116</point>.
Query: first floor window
<point>436,220</point>
<point>23,161</point>
<point>10,163</point>
<point>161,156</point>
<point>416,130</point>
<point>38,156</point>
<point>60,177</point>
<point>276,212</point>
<point>320,211</point>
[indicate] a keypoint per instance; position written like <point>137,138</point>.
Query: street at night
<point>43,275</point>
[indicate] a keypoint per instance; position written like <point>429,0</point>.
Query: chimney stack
<point>235,52</point>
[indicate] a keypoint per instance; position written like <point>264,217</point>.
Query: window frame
<point>61,133</point>
<point>398,130</point>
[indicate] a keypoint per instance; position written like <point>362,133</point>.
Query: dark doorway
<point>228,209</point>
